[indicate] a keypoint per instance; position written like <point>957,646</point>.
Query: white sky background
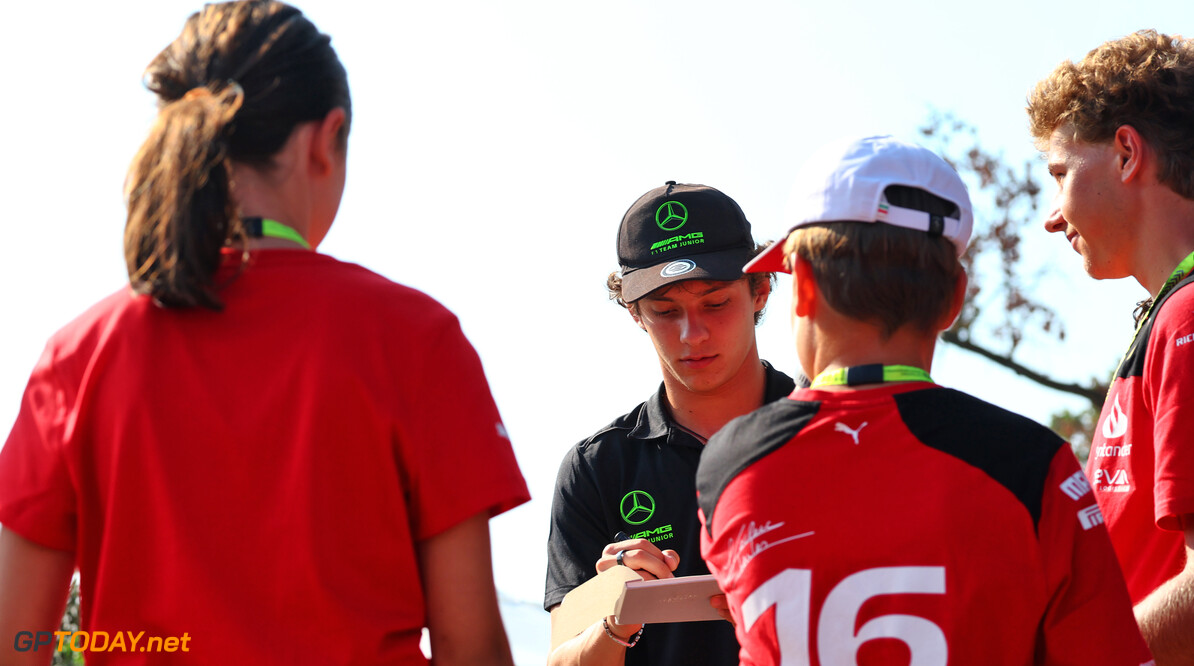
<point>496,145</point>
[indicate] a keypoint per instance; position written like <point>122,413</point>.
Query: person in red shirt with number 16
<point>876,517</point>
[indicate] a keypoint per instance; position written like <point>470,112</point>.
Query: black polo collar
<point>654,421</point>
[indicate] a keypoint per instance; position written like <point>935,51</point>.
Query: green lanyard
<point>871,374</point>
<point>258,228</point>
<point>1183,269</point>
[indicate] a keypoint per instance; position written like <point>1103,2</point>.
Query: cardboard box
<point>621,592</point>
<point>684,599</point>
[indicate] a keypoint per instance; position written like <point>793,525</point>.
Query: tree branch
<point>1095,394</point>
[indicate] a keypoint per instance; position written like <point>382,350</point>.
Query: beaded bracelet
<point>633,639</point>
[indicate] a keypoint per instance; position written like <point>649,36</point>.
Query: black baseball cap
<point>681,232</point>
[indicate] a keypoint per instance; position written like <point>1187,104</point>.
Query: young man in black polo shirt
<point>681,250</point>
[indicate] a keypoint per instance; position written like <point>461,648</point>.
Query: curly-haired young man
<point>1117,128</point>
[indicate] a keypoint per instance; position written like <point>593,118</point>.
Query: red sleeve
<point>1088,596</point>
<point>1168,383</point>
<point>37,497</point>
<point>458,457</point>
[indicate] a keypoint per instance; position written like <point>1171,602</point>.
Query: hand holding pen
<point>639,554</point>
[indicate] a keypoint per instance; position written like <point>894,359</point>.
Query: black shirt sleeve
<point>578,529</point>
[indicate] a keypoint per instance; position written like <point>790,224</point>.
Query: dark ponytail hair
<point>231,87</point>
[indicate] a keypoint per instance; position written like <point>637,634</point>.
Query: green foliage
<point>1000,303</point>
<point>70,622</point>
<point>1077,428</point>
<point>1001,309</point>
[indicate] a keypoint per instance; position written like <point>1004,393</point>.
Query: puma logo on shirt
<point>852,432</point>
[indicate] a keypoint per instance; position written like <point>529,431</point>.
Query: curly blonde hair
<point>1145,80</point>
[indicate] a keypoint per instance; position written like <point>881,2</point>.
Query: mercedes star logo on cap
<point>671,215</point>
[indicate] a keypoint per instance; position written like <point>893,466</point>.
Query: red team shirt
<point>909,524</point>
<point>258,478</point>
<point>1141,461</point>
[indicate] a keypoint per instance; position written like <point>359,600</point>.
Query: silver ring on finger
<point>621,553</point>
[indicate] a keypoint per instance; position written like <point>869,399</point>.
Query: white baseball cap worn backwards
<point>844,182</point>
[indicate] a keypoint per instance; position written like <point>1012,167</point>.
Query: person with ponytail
<point>259,451</point>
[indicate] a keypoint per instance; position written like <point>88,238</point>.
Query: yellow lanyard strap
<point>258,228</point>
<point>871,374</point>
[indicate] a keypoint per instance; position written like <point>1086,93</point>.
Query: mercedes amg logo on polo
<point>637,507</point>
<point>671,215</point>
<point>678,267</point>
